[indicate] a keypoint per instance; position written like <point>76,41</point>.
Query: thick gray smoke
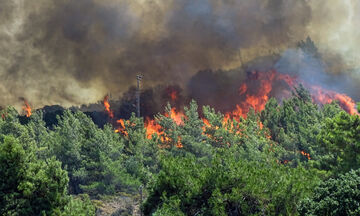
<point>74,52</point>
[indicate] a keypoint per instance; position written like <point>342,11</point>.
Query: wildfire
<point>324,96</point>
<point>121,128</point>
<point>268,80</point>
<point>107,106</point>
<point>206,122</point>
<point>258,99</point>
<point>27,109</point>
<point>176,116</point>
<point>152,127</point>
<point>254,93</point>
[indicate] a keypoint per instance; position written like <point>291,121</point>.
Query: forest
<point>292,158</point>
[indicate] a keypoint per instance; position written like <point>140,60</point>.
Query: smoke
<point>334,27</point>
<point>307,65</point>
<point>74,52</point>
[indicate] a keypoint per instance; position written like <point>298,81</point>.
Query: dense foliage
<point>335,197</point>
<point>292,158</point>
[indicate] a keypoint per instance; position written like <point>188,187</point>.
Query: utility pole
<point>138,78</point>
<point>138,92</point>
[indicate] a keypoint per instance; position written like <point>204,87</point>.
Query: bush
<point>340,196</point>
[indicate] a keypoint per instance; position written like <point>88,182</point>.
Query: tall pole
<point>138,78</point>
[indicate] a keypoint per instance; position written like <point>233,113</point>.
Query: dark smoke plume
<point>74,52</point>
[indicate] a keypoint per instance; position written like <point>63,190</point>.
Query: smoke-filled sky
<point>74,52</point>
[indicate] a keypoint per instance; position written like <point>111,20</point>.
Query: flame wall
<point>74,52</point>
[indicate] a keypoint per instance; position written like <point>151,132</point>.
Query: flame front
<point>324,96</point>
<point>252,98</point>
<point>258,99</point>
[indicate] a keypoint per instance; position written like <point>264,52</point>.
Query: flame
<point>242,89</point>
<point>121,128</point>
<point>251,97</point>
<point>27,109</point>
<point>173,95</point>
<point>256,100</point>
<point>153,127</point>
<point>206,122</point>
<point>261,125</point>
<point>176,116</point>
<point>179,144</point>
<point>107,106</point>
<point>267,80</point>
<point>324,96</point>
<point>307,155</point>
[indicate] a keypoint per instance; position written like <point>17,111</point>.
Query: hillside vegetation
<point>291,159</point>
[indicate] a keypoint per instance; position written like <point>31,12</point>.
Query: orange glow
<point>27,109</point>
<point>179,144</point>
<point>261,125</point>
<point>254,93</point>
<point>291,81</point>
<point>258,99</point>
<point>206,122</point>
<point>152,127</point>
<point>324,96</point>
<point>107,106</point>
<point>242,89</point>
<point>173,95</point>
<point>176,116</point>
<point>307,155</point>
<point>121,128</point>
<point>206,125</point>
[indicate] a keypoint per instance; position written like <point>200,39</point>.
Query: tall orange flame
<point>27,109</point>
<point>107,106</point>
